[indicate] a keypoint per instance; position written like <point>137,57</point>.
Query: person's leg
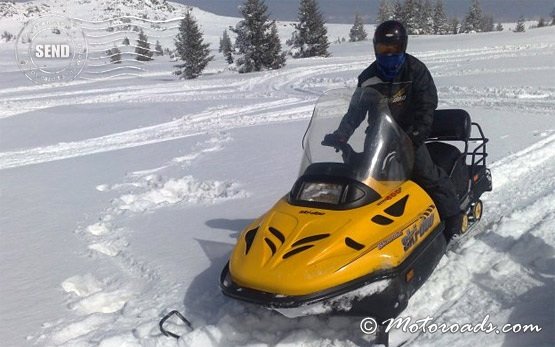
<point>438,185</point>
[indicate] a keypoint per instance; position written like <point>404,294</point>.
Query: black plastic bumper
<point>384,304</point>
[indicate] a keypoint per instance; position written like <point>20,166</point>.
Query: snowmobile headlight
<point>329,193</point>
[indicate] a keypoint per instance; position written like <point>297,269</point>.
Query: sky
<point>342,11</point>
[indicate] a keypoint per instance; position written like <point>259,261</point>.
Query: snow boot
<point>453,226</point>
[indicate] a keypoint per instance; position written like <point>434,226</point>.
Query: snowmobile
<point>355,236</point>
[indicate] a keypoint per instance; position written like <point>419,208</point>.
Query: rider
<point>412,99</point>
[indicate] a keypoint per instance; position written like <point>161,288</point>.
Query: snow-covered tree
<point>398,11</point>
<point>226,48</point>
<point>541,22</point>
<point>114,54</point>
<point>553,16</point>
<point>386,11</point>
<point>191,48</point>
<point>158,48</point>
<point>520,28</point>
<point>357,32</point>
<point>274,58</point>
<point>499,27</point>
<point>255,36</point>
<point>310,37</point>
<point>425,17</point>
<point>142,50</point>
<point>409,17</point>
<point>473,20</point>
<point>441,24</point>
<point>125,41</point>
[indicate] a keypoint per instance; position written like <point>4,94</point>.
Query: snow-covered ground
<point>121,199</point>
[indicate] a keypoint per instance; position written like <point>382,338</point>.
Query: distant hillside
<point>92,9</point>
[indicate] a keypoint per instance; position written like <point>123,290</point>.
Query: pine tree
<point>191,48</point>
<point>473,20</point>
<point>357,32</point>
<point>398,14</point>
<point>541,22</point>
<point>425,17</point>
<point>142,50</point>
<point>441,25</point>
<point>455,25</point>
<point>310,38</point>
<point>125,41</point>
<point>409,17</point>
<point>520,28</point>
<point>158,48</point>
<point>487,24</point>
<point>499,27</point>
<point>385,11</point>
<point>274,58</point>
<point>226,47</point>
<point>114,54</point>
<point>254,34</point>
<point>553,16</point>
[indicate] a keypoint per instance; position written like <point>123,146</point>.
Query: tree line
<point>258,47</point>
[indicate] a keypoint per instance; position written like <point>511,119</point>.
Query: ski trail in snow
<point>215,120</point>
<point>526,99</point>
<point>299,85</point>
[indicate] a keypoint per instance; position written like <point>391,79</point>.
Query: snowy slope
<point>121,199</point>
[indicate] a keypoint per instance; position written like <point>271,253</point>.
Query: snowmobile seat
<point>451,125</point>
<point>453,162</point>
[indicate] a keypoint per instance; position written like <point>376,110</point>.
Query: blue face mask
<point>389,65</point>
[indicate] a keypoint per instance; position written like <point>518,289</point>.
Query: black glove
<point>417,138</point>
<point>334,140</point>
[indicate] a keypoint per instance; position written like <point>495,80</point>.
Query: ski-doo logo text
<point>398,97</point>
<point>316,213</point>
<point>415,232</point>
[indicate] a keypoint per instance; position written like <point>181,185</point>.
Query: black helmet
<point>393,34</point>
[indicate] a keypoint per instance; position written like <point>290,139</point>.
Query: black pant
<point>436,183</point>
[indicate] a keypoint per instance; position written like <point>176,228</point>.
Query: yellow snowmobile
<point>355,235</point>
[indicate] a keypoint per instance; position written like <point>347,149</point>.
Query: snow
<point>121,199</point>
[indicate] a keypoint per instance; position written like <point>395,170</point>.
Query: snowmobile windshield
<point>378,154</point>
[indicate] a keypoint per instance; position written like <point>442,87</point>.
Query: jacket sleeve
<point>424,103</point>
<point>354,116</point>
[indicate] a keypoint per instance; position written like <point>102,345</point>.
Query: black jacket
<point>412,98</point>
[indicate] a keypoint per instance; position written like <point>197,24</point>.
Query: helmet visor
<point>389,48</point>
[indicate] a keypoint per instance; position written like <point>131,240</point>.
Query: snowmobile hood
<point>295,250</point>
